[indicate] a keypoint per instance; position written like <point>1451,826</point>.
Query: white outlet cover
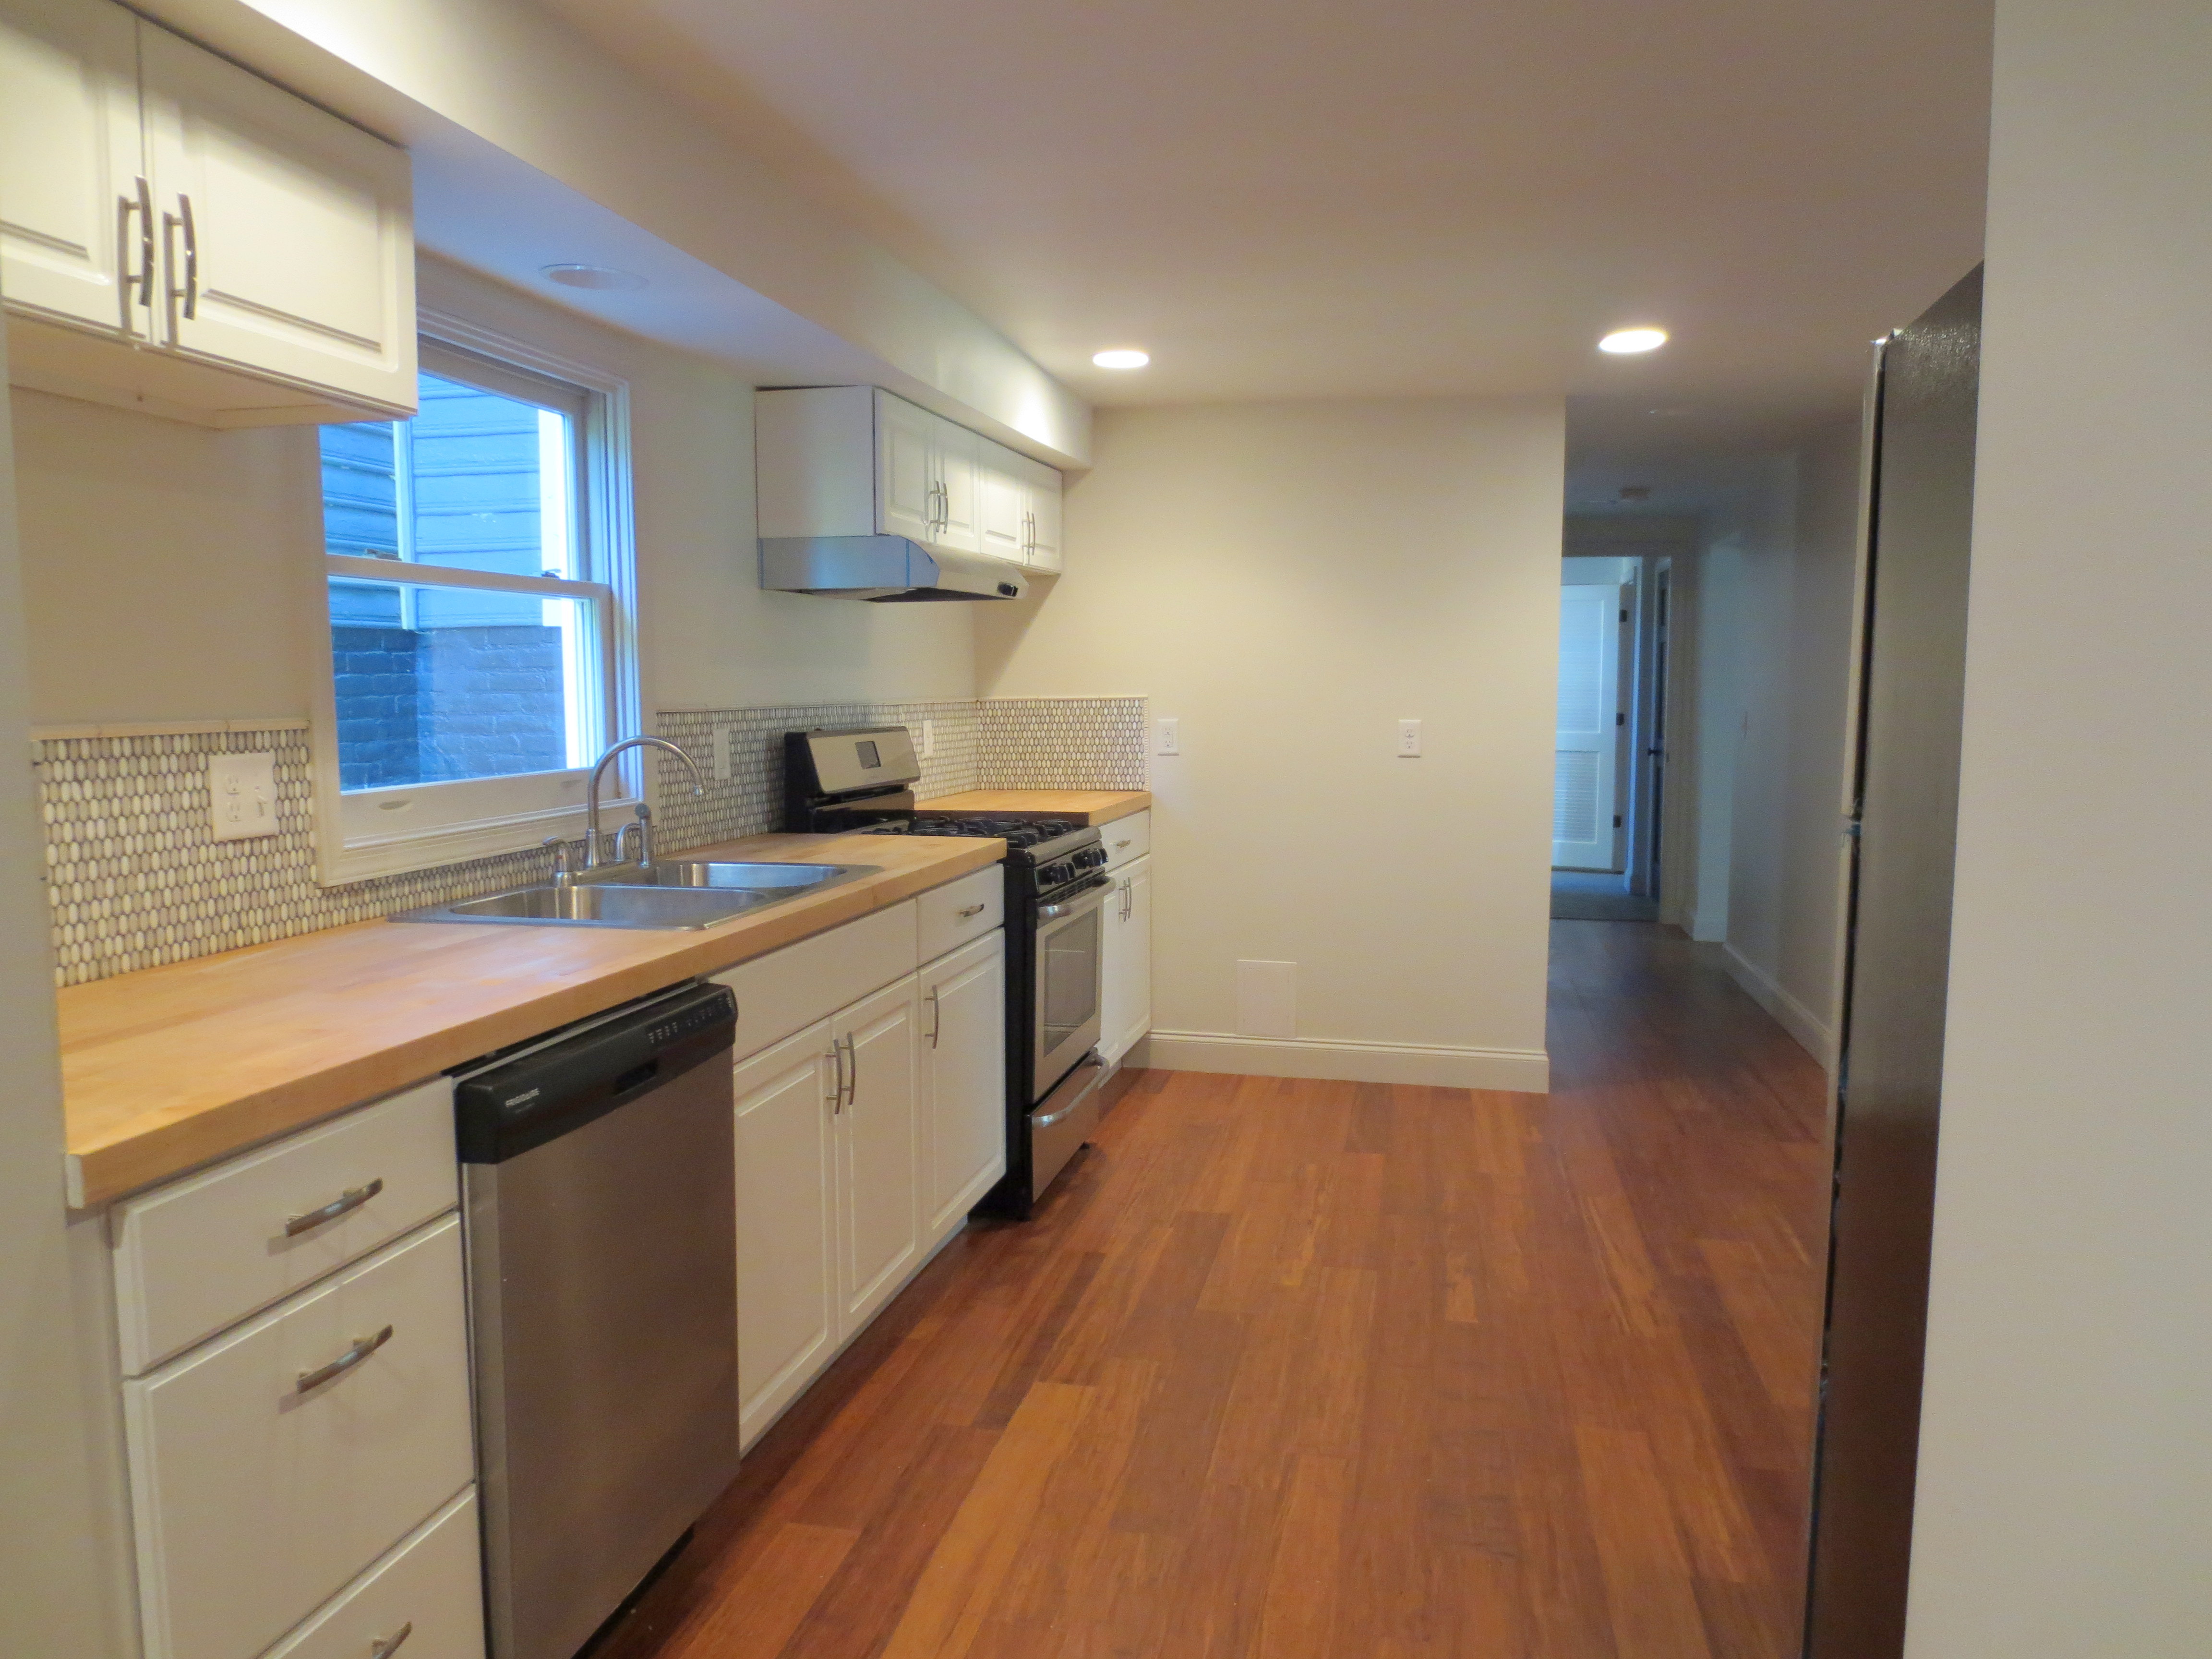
<point>1170,737</point>
<point>1409,739</point>
<point>928,738</point>
<point>725,759</point>
<point>242,795</point>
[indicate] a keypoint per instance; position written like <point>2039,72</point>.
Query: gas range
<point>1043,855</point>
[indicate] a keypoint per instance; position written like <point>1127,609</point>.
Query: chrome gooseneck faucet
<point>593,855</point>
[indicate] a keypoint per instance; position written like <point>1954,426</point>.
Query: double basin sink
<point>675,894</point>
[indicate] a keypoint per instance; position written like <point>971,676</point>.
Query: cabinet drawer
<point>961,910</point>
<point>256,1500</point>
<point>431,1588</point>
<point>204,1252</point>
<point>791,989</point>
<point>1128,838</point>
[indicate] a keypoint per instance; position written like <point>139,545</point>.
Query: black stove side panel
<point>1010,1201</point>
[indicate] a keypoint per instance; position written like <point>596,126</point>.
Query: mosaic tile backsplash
<point>135,878</point>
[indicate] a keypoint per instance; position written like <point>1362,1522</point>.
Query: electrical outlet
<point>928,738</point>
<point>1409,739</point>
<point>1171,737</point>
<point>242,795</point>
<point>726,757</point>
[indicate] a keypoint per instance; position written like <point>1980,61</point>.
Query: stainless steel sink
<point>676,895</point>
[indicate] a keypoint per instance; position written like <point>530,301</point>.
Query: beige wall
<point>2065,1494</point>
<point>1289,581</point>
<point>169,571</point>
<point>1793,607</point>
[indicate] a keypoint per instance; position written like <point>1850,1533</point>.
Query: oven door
<point>1065,1014</point>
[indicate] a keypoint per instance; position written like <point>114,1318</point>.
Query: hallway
<point>1292,1368</point>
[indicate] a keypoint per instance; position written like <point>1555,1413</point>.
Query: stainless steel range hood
<point>883,568</point>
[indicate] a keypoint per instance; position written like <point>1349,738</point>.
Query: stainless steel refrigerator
<point>1912,672</point>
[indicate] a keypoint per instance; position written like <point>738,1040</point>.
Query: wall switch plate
<point>928,738</point>
<point>726,757</point>
<point>1171,737</point>
<point>1267,998</point>
<point>1409,739</point>
<point>242,795</point>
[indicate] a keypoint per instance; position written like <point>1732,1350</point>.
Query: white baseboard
<point>1522,1070</point>
<point>1813,1033</point>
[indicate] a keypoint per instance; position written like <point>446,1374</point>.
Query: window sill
<point>367,858</point>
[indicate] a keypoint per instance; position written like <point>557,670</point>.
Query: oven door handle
<point>1090,898</point>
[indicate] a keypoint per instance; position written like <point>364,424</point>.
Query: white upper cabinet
<point>1020,508</point>
<point>72,211</point>
<point>286,236</point>
<point>857,461</point>
<point>182,237</point>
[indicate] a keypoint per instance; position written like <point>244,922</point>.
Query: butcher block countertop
<point>1083,805</point>
<point>173,1067</point>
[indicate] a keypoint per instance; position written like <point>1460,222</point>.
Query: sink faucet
<point>594,854</point>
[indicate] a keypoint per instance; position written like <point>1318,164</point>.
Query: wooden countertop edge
<point>1125,802</point>
<point>127,1156</point>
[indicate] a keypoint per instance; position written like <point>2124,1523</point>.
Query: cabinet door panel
<point>1041,498</point>
<point>70,156</point>
<point>786,1283</point>
<point>302,226</point>
<point>879,1228</point>
<point>954,458</point>
<point>1002,510</point>
<point>906,481</point>
<point>1126,996</point>
<point>963,1082</point>
<point>431,1586</point>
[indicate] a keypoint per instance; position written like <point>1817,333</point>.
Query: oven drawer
<point>961,910</point>
<point>204,1252</point>
<point>1127,839</point>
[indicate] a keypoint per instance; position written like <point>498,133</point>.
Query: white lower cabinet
<point>271,1465</point>
<point>863,1137</point>
<point>426,1594</point>
<point>878,1231</point>
<point>963,1083</point>
<point>786,1230</point>
<point>1125,998</point>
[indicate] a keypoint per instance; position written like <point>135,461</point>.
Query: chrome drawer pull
<point>972,910</point>
<point>390,1645</point>
<point>362,1347</point>
<point>351,1198</point>
<point>1123,842</point>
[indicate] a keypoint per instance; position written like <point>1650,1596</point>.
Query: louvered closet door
<point>1584,793</point>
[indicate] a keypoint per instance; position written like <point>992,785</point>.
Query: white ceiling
<point>1284,198</point>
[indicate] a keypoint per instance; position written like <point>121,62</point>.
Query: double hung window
<point>477,573</point>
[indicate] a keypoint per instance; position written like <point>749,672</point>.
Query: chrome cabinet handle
<point>837,1081</point>
<point>972,910</point>
<point>189,294</point>
<point>362,1347</point>
<point>351,1198</point>
<point>390,1645</point>
<point>1124,841</point>
<point>852,1069</point>
<point>936,1016</point>
<point>142,205</point>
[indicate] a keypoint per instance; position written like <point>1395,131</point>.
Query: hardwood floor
<point>1293,1369</point>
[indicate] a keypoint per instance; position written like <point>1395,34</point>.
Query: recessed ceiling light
<point>603,277</point>
<point>1623,342</point>
<point>1122,357</point>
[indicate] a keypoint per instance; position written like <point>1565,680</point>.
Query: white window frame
<point>367,833</point>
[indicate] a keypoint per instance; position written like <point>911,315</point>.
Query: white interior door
<point>1584,779</point>
<point>287,234</point>
<point>69,207</point>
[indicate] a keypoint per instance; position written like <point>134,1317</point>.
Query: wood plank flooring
<point>1293,1369</point>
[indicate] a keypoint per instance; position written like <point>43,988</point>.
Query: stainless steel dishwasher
<point>599,1189</point>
